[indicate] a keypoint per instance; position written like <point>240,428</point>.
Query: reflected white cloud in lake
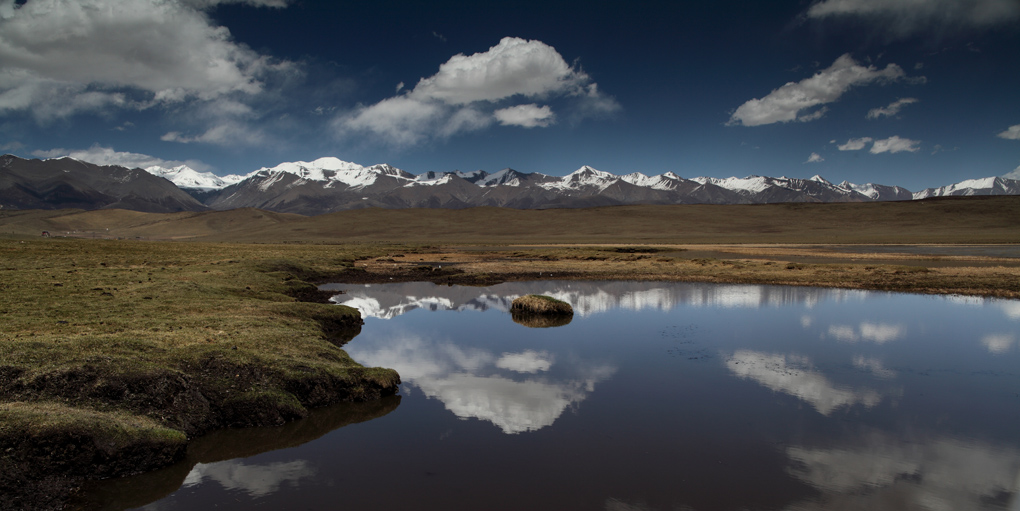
<point>793,375</point>
<point>529,361</point>
<point>475,383</point>
<point>998,343</point>
<point>879,333</point>
<point>882,472</point>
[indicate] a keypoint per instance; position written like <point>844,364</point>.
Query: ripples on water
<point>655,396</point>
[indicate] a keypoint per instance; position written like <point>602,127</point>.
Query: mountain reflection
<point>387,301</point>
<point>255,480</point>
<point>880,471</point>
<point>476,383</point>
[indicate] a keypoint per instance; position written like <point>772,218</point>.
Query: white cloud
<point>464,93</point>
<point>815,158</point>
<point>1011,133</point>
<point>891,110</point>
<point>108,156</point>
<point>226,133</point>
<point>895,144</point>
<point>63,57</point>
<point>855,144</point>
<point>907,17</point>
<point>526,116</point>
<point>787,103</point>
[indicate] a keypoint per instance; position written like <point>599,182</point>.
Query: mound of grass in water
<point>541,304</point>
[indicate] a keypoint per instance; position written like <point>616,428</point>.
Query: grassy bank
<point>114,353</point>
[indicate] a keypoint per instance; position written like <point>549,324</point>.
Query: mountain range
<point>330,184</point>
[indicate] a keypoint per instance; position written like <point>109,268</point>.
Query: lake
<point>654,396</point>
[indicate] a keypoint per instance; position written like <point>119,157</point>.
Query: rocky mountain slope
<point>330,184</point>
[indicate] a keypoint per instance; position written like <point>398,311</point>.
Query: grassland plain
<point>114,353</point>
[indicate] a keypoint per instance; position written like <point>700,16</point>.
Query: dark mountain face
<point>68,183</point>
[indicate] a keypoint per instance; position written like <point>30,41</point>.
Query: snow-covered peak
<point>983,186</point>
<point>334,170</point>
<point>315,170</point>
<point>819,179</point>
<point>187,177</point>
<point>666,181</point>
<point>749,184</point>
<point>583,177</point>
<point>431,179</point>
<point>506,177</point>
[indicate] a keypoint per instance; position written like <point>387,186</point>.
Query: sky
<point>915,93</point>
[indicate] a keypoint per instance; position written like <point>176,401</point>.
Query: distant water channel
<point>655,396</point>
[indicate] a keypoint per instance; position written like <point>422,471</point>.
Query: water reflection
<point>879,333</point>
<point>388,301</point>
<point>218,457</point>
<point>255,480</point>
<point>880,471</point>
<point>793,375</point>
<point>476,383</point>
<point>661,396</point>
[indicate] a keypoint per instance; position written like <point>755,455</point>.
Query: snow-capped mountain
<point>331,184</point>
<point>985,186</point>
<point>186,177</point>
<point>879,192</point>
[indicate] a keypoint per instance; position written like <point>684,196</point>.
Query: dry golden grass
<point>952,220</point>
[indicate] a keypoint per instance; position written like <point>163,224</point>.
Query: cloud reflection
<point>469,383</point>
<point>878,333</point>
<point>998,343</point>
<point>792,375</point>
<point>529,361</point>
<point>885,472</point>
<point>257,480</point>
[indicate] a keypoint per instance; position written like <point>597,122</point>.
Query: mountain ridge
<point>330,184</point>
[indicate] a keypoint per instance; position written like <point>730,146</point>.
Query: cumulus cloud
<point>815,158</point>
<point>901,18</point>
<point>891,110</point>
<point>789,102</point>
<point>525,116</point>
<point>64,57</point>
<point>1011,133</point>
<point>108,156</point>
<point>464,95</point>
<point>895,144</point>
<point>855,144</point>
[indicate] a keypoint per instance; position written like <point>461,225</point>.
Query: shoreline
<point>167,341</point>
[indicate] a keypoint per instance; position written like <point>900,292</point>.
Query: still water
<point>655,396</point>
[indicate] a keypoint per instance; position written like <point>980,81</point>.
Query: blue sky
<point>916,93</point>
